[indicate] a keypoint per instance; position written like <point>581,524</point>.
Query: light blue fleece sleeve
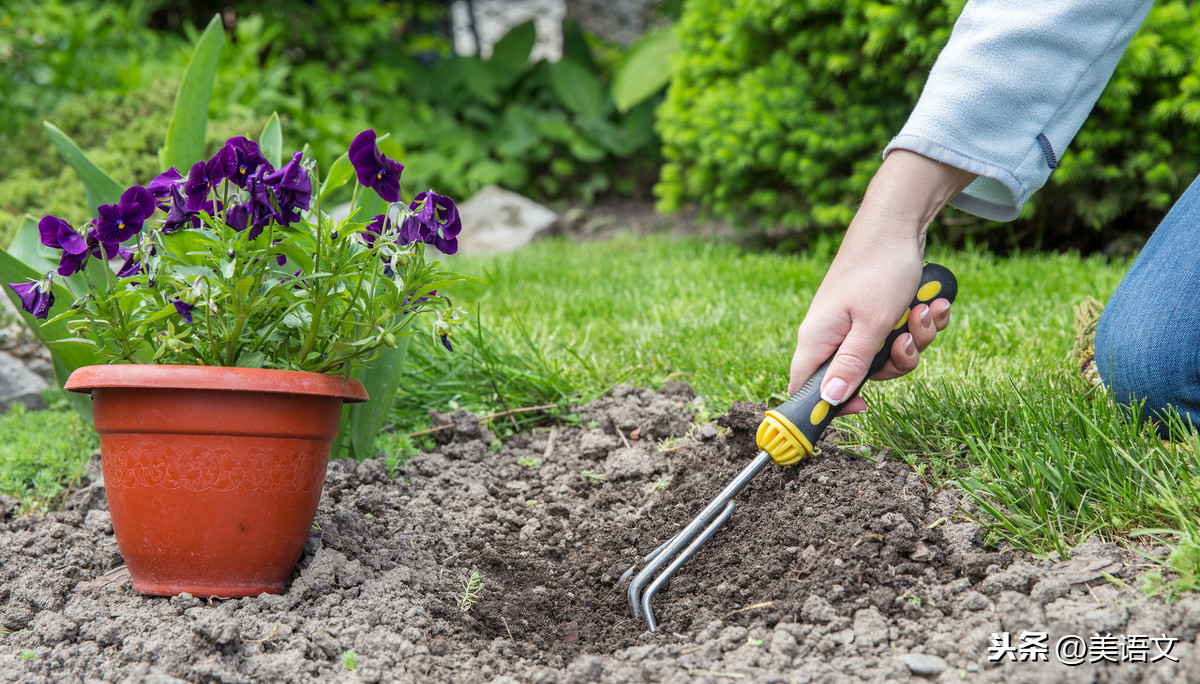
<point>1011,89</point>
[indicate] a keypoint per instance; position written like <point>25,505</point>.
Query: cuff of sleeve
<point>997,195</point>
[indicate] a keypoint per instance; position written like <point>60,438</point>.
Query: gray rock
<point>925,665</point>
<point>631,463</point>
<point>1050,589</point>
<point>817,609</point>
<point>870,627</point>
<point>497,220</point>
<point>18,384</point>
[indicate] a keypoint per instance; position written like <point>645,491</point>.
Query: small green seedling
<point>592,476</point>
<point>529,462</point>
<point>496,445</point>
<point>398,448</point>
<point>530,503</point>
<point>472,587</point>
<point>668,443</point>
<point>757,643</point>
<point>663,483</point>
<point>350,660</point>
<point>28,655</point>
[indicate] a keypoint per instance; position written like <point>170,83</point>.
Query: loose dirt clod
<point>838,569</point>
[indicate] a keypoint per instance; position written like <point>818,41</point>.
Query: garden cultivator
<point>786,435</point>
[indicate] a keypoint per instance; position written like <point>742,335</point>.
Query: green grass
<point>995,406</point>
<point>40,452</point>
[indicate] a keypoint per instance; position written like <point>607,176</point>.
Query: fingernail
<point>834,391</point>
<point>908,342</point>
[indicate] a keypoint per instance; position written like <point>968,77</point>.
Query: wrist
<point>909,190</point>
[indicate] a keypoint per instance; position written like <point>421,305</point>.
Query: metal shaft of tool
<point>661,556</point>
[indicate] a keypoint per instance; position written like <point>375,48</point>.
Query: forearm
<point>904,197</point>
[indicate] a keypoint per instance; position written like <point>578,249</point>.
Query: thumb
<point>851,363</point>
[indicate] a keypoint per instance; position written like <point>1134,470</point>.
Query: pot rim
<point>222,378</point>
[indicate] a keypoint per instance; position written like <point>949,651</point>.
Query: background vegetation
<point>778,111</point>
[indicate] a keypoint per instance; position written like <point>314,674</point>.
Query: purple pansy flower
<point>375,228</point>
<point>131,267</point>
<point>293,189</point>
<point>247,158</point>
<point>180,217</point>
<point>435,222</point>
<point>98,249</point>
<point>121,221</point>
<point>162,186</point>
<point>59,234</point>
<point>204,176</point>
<point>255,211</point>
<point>36,296</point>
<point>184,309</point>
<point>375,170</point>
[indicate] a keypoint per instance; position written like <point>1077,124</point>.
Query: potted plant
<point>231,311</point>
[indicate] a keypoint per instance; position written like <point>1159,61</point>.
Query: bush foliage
<point>779,109</point>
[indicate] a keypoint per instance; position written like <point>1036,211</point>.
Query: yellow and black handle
<point>789,431</point>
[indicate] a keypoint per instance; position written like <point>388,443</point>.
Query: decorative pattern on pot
<point>297,468</point>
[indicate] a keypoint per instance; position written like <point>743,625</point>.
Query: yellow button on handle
<point>790,430</point>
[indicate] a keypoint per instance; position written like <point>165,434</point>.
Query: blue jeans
<point>1148,340</point>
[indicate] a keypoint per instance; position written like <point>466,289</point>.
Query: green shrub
<point>779,108</point>
<point>51,50</point>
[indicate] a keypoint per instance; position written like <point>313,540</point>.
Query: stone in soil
<point>837,569</point>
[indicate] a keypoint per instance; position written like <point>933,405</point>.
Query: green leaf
<point>605,133</point>
<point>575,46</point>
<point>478,80</point>
<point>27,248</point>
<point>184,144</point>
<point>577,87</point>
<point>645,69</point>
<point>100,187</point>
<point>361,423</point>
<point>270,141</point>
<point>66,354</point>
<point>339,174</point>
<point>510,54</point>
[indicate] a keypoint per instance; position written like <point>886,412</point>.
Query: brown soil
<point>838,569</point>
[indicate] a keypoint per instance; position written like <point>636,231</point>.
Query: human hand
<point>872,280</point>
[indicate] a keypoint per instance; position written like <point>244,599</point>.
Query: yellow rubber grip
<point>779,437</point>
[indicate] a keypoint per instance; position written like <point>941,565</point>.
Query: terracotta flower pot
<point>213,474</point>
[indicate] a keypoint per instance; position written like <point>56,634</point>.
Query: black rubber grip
<point>808,412</point>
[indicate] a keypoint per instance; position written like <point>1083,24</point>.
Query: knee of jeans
<point>1140,364</point>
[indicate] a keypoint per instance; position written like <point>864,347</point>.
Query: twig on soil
<point>550,443</point>
<point>866,537</point>
<point>527,409</point>
<point>622,434</point>
<point>753,606</point>
<point>712,673</point>
<point>937,522</point>
<point>510,636</point>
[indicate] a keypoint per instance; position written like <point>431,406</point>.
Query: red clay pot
<point>213,474</point>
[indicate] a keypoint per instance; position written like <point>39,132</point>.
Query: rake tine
<point>648,595</point>
<point>700,525</point>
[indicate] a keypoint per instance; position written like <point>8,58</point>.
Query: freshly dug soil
<point>841,568</point>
